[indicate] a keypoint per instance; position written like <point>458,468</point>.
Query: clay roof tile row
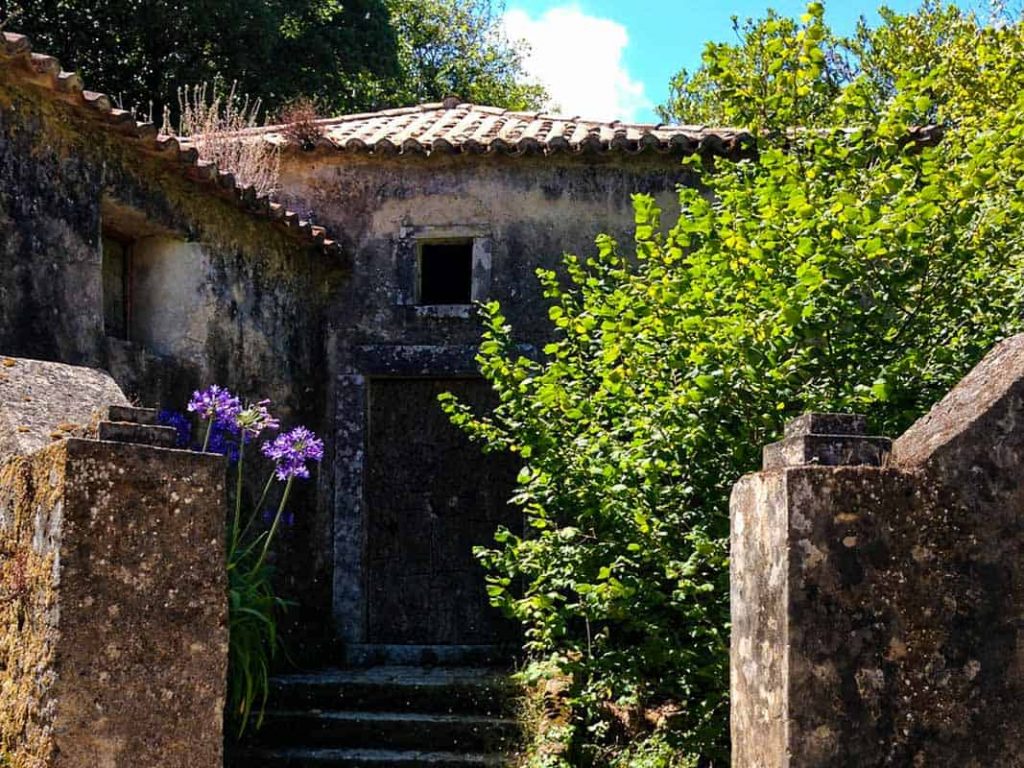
<point>45,72</point>
<point>454,127</point>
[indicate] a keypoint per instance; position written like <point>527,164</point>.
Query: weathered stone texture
<point>877,610</point>
<point>116,649</point>
<point>43,401</point>
<point>113,605</point>
<point>758,583</point>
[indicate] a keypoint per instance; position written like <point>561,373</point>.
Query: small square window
<point>446,272</point>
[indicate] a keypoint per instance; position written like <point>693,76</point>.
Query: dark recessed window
<point>116,257</point>
<point>446,272</point>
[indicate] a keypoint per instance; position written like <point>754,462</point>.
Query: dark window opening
<point>117,261</point>
<point>446,272</point>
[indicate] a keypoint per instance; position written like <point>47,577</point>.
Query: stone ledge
<point>143,434</point>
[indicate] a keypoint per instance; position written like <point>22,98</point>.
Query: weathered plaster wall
<point>247,291</point>
<point>49,229</point>
<point>219,296</point>
<point>533,210</point>
<point>527,211</point>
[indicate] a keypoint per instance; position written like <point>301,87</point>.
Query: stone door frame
<point>351,431</point>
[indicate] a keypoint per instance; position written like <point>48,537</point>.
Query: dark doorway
<point>431,496</point>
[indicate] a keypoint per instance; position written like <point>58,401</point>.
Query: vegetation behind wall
<point>859,268</point>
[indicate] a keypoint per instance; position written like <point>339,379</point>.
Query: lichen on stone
<point>28,486</point>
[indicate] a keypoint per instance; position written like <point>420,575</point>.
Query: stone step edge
<point>138,434</point>
<point>131,414</point>
<point>397,717</point>
<point>342,680</point>
<point>382,756</point>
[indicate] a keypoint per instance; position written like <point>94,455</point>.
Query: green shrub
<point>860,269</point>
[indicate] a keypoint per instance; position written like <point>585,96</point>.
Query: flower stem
<point>206,441</point>
<point>259,506</point>
<point>238,499</point>
<point>273,528</point>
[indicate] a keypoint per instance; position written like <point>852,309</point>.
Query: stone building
<point>122,250</point>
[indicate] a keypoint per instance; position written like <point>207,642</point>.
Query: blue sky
<point>612,59</point>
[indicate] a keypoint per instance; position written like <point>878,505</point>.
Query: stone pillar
<point>113,615</point>
<point>877,597</point>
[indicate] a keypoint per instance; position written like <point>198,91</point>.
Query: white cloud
<point>578,58</point>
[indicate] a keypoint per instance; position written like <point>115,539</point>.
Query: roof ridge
<point>466,127</point>
<point>44,71</point>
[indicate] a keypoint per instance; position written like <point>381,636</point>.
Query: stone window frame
<point>126,248</point>
<point>408,249</point>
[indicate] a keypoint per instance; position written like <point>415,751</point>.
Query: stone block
<point>827,424</point>
<point>113,606</point>
<point>827,450</point>
<point>142,434</point>
<point>876,608</point>
<point>133,415</point>
<point>41,402</point>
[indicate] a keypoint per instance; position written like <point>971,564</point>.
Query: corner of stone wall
<point>113,594</point>
<point>876,596</point>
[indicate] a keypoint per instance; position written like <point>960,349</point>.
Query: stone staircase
<point>387,716</point>
<point>125,424</point>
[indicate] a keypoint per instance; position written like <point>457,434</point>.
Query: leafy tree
<point>348,56</point>
<point>456,48</point>
<point>860,266</point>
<point>748,82</point>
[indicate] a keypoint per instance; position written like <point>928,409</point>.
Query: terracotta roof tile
<point>45,72</point>
<point>451,127</point>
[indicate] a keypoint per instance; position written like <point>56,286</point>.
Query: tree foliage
<point>847,267</point>
<point>450,48</point>
<point>348,56</point>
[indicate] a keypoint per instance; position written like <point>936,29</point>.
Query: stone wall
<point>524,211</point>
<point>218,296</point>
<point>877,597</point>
<point>113,608</point>
<point>253,296</point>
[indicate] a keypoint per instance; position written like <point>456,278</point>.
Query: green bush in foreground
<point>848,270</point>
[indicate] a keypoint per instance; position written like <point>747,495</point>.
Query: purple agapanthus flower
<point>216,403</point>
<point>181,423</point>
<point>291,452</point>
<point>254,419</point>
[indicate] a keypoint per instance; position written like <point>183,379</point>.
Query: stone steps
<point>397,689</point>
<point>386,717</point>
<point>367,758</point>
<point>396,730</point>
<point>125,424</point>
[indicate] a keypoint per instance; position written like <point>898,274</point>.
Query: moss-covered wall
<point>31,490</point>
<point>524,212</point>
<point>254,296</point>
